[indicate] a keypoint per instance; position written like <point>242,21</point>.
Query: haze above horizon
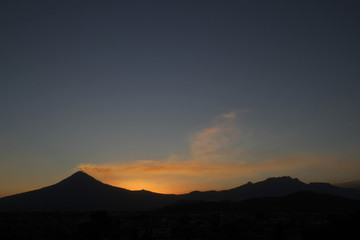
<point>82,180</point>
<point>176,95</point>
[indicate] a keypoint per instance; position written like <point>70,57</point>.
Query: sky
<point>175,96</point>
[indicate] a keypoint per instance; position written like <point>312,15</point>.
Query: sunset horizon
<point>179,119</point>
<point>177,96</point>
<point>136,186</point>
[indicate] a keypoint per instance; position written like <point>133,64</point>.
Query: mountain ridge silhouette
<point>81,191</point>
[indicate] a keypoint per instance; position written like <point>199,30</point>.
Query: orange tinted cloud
<point>208,157</point>
<point>213,158</point>
<point>215,142</point>
<point>185,176</point>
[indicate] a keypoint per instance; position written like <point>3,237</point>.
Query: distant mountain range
<point>272,187</point>
<point>83,192</point>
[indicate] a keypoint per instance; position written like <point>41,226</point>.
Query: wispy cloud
<point>207,146</point>
<point>213,157</point>
<point>215,142</point>
<point>211,152</point>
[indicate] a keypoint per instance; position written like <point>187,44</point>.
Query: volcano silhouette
<point>83,192</point>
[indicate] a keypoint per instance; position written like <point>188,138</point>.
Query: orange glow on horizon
<point>136,185</point>
<point>214,162</point>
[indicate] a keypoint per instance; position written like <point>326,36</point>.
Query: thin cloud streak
<point>213,143</point>
<point>213,157</point>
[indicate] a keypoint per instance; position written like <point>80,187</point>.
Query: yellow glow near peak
<point>149,186</point>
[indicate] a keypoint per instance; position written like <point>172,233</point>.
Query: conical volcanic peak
<point>81,175</point>
<point>79,178</point>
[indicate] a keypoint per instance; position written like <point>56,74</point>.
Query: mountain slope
<point>272,187</point>
<point>81,191</point>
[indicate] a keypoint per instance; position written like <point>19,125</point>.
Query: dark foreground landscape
<point>180,225</point>
<point>81,207</point>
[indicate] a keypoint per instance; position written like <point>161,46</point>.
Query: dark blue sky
<point>115,82</point>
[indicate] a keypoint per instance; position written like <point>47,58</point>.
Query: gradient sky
<point>174,96</point>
